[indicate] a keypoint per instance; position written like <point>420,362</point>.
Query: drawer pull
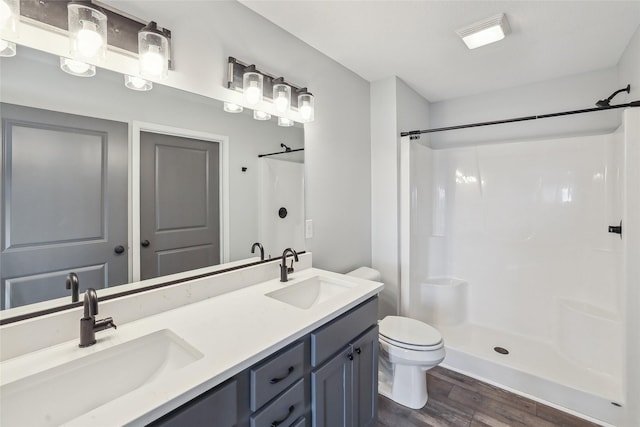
<point>278,379</point>
<point>276,423</point>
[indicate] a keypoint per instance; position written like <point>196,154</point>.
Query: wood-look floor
<point>458,400</point>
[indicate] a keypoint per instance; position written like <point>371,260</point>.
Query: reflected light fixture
<point>137,83</point>
<point>153,51</point>
<point>230,107</point>
<point>305,106</point>
<point>87,32</point>
<point>484,32</point>
<point>252,85</point>
<point>284,122</point>
<point>261,115</point>
<point>77,68</point>
<point>9,18</point>
<point>281,96</point>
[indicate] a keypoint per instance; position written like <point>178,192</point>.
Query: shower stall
<point>521,254</point>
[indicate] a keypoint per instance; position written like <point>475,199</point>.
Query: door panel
<point>179,204</point>
<point>365,387</point>
<point>64,203</point>
<point>331,392</point>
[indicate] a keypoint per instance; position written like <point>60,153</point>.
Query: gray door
<point>331,392</point>
<point>365,379</point>
<point>179,204</point>
<point>64,203</point>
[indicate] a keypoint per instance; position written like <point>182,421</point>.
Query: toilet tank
<point>366,273</point>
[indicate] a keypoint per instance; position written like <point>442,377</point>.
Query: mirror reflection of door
<point>179,204</point>
<point>64,203</point>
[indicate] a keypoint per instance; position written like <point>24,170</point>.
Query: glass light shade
<point>261,115</point>
<point>282,97</point>
<point>306,107</point>
<point>9,17</point>
<point>137,83</point>
<point>284,122</point>
<point>230,107</point>
<point>252,86</point>
<point>7,48</point>
<point>77,68</point>
<point>153,52</point>
<point>87,32</point>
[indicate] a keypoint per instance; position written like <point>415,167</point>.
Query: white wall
<point>629,73</point>
<point>337,143</point>
<point>564,94</point>
<point>394,107</point>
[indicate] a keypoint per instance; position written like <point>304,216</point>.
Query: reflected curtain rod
<point>281,152</point>
<point>521,119</point>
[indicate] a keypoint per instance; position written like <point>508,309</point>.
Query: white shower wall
<point>525,224</point>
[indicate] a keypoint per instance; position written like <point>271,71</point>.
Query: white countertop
<point>233,331</point>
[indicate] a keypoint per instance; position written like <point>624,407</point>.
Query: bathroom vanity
<point>261,353</point>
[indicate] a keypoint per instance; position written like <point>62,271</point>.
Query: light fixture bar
<point>235,73</point>
<point>484,32</point>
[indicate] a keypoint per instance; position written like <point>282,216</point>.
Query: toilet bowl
<point>408,349</point>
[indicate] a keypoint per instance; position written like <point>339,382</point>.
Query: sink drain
<point>501,350</point>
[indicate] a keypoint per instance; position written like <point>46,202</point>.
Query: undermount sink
<point>311,292</point>
<point>64,392</point>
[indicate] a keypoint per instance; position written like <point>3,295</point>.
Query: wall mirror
<point>184,166</point>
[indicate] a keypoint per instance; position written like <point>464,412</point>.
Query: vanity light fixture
<point>306,105</point>
<point>153,51</point>
<point>284,122</point>
<point>230,107</point>
<point>77,68</point>
<point>261,115</point>
<point>87,31</point>
<point>137,83</point>
<point>484,32</point>
<point>9,18</point>
<point>257,86</point>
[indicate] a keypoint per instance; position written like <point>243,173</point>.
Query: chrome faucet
<point>88,324</point>
<point>74,284</point>
<point>259,246</point>
<point>284,270</point>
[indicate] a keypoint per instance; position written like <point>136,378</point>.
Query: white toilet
<point>408,348</point>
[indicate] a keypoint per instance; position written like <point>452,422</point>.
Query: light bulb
<point>137,83</point>
<point>3,44</point>
<point>77,66</point>
<point>261,115</point>
<point>89,41</point>
<point>281,103</point>
<point>230,107</point>
<point>5,14</point>
<point>7,48</point>
<point>305,111</point>
<point>152,62</point>
<point>285,122</point>
<point>252,93</point>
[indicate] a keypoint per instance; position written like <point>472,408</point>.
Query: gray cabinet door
<point>331,392</point>
<point>179,204</point>
<point>365,379</point>
<point>64,203</point>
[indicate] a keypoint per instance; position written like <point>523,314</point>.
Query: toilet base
<point>407,388</point>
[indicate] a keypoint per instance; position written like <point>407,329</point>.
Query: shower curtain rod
<point>520,119</point>
<point>280,152</point>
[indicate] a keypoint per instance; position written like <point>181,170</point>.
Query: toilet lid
<point>409,331</point>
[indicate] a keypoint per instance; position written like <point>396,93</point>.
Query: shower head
<point>605,102</point>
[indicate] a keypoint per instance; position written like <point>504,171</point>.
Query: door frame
<point>135,128</point>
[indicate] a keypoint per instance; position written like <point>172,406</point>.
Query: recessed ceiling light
<point>484,32</point>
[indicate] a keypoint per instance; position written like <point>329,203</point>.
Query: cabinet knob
<point>145,243</point>
<point>118,249</point>
<point>276,423</point>
<point>350,356</point>
<point>358,351</point>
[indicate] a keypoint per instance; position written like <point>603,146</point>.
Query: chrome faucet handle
<point>103,324</point>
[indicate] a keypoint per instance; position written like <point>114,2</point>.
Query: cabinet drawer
<point>217,407</point>
<point>302,422</point>
<point>331,338</point>
<point>275,375</point>
<point>283,410</point>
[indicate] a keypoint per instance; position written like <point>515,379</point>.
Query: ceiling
<point>416,40</point>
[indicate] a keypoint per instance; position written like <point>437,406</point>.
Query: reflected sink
<point>62,393</point>
<point>311,292</point>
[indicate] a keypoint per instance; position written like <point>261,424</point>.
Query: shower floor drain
<point>501,350</point>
